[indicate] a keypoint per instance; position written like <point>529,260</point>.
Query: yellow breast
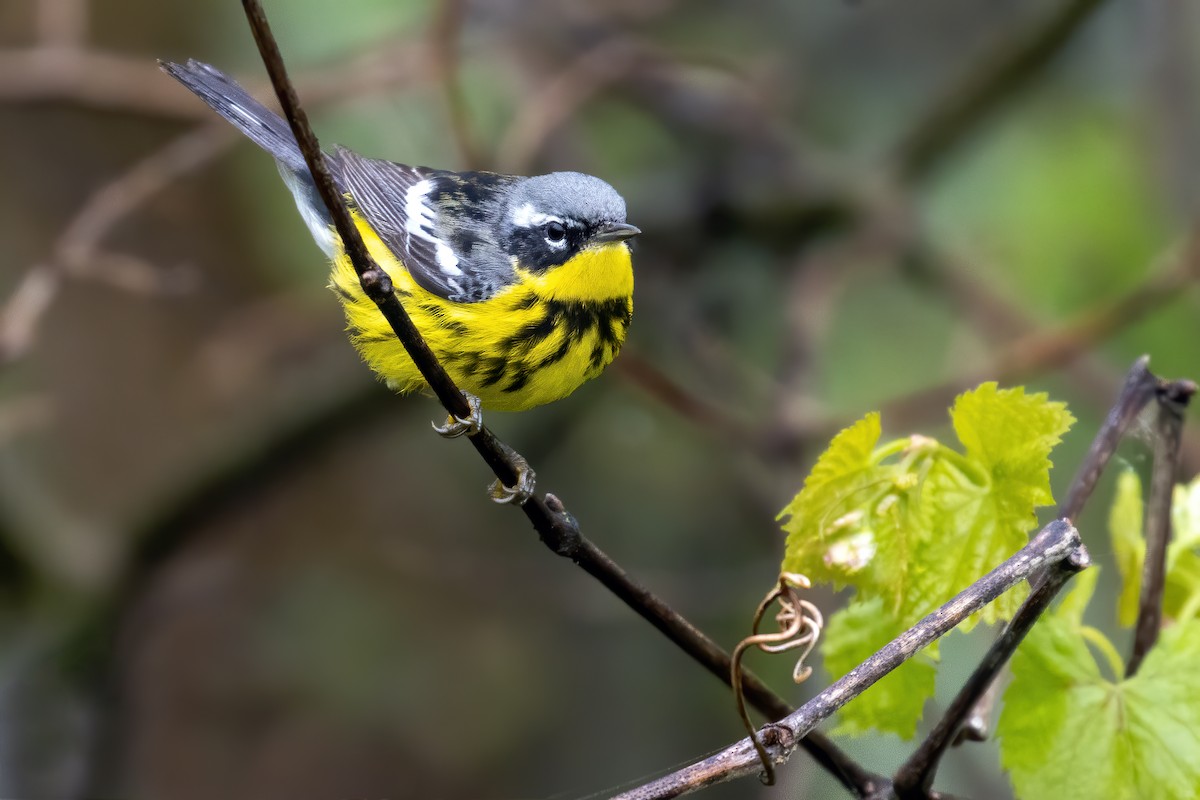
<point>533,342</point>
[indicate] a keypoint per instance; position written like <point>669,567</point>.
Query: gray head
<point>549,218</point>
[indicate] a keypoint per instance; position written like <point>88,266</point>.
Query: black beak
<point>615,232</point>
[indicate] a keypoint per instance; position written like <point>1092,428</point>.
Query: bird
<point>521,286</point>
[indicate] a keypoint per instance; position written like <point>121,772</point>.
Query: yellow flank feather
<point>532,343</point>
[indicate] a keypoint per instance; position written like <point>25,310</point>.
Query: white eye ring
<point>556,234</point>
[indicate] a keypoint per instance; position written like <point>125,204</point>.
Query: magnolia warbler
<point>523,287</point>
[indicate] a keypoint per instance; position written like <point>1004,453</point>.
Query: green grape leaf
<point>1012,434</point>
<point>1008,436</point>
<point>1066,733</point>
<point>895,703</point>
<point>912,522</point>
<point>1182,595</point>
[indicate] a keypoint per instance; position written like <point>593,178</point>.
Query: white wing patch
<point>447,260</point>
<point>419,221</point>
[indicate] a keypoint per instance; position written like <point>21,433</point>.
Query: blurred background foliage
<point>234,566</point>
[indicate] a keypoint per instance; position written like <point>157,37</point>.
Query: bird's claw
<point>519,494</point>
<point>458,426</point>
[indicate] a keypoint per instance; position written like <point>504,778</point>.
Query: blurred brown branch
<point>91,78</point>
<point>62,22</point>
<point>1063,346</point>
<point>552,104</point>
<point>445,39</point>
<point>78,252</point>
<point>1031,350</point>
<point>996,77</point>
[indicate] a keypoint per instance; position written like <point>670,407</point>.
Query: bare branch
<point>375,281</point>
<point>915,778</point>
<point>1136,392</point>
<point>1039,351</point>
<point>1177,270</point>
<point>1172,401</point>
<point>974,700</point>
<point>1057,541</point>
<point>555,526</point>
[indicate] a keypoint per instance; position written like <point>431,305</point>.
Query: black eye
<point>555,232</point>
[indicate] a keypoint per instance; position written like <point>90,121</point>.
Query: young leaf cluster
<point>911,522</point>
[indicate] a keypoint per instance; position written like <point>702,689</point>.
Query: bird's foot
<point>522,491</point>
<point>458,426</point>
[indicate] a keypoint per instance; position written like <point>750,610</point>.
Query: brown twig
<point>800,623</point>
<point>1136,392</point>
<point>77,251</point>
<point>375,281</point>
<point>1173,399</point>
<point>1065,346</point>
<point>555,526</point>
<point>93,78</point>
<point>116,82</point>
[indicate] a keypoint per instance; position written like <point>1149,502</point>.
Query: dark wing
<point>443,225</point>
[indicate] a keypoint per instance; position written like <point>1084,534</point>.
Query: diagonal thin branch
<point>915,778</point>
<point>1136,392</point>
<point>917,775</point>
<point>374,280</point>
<point>1172,401</point>
<point>555,526</point>
<point>1057,541</point>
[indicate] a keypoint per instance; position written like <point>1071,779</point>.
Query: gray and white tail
<point>266,129</point>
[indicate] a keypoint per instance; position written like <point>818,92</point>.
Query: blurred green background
<point>234,566</point>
